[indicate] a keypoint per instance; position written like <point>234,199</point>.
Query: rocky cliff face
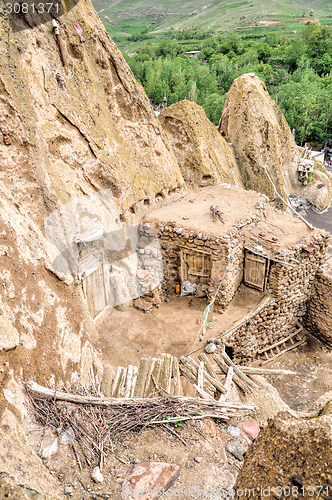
<point>203,156</point>
<point>65,138</point>
<point>252,121</point>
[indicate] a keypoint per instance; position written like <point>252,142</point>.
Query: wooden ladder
<point>284,345</point>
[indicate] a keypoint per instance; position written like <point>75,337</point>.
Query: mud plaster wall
<point>318,318</point>
<point>276,321</point>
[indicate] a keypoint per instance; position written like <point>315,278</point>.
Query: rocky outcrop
<point>261,137</point>
<point>64,139</point>
<point>319,190</point>
<point>289,453</point>
<point>203,156</point>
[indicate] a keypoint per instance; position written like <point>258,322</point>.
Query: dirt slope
<point>290,453</point>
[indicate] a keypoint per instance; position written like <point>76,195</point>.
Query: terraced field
<point>127,17</point>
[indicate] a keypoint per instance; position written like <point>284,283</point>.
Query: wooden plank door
<point>254,271</point>
<point>95,291</point>
<point>196,267</point>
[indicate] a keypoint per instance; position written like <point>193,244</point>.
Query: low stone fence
<point>318,318</point>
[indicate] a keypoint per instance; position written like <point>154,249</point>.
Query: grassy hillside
<point>124,18</point>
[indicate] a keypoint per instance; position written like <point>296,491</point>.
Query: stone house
<point>263,247</point>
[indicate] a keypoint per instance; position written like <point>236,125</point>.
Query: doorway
<point>256,269</point>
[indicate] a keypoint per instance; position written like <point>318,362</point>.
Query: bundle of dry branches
<point>100,428</point>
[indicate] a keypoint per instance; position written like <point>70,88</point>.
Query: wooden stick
<point>193,417</point>
<point>119,381</point>
<point>129,380</point>
<point>134,380</point>
<point>165,374</point>
<point>176,377</point>
<point>228,383</point>
<point>154,371</point>
<point>200,377</point>
<point>238,372</point>
<point>224,366</point>
<point>92,400</point>
<point>208,367</point>
<point>201,393</point>
<point>141,378</point>
<point>207,378</point>
<point>253,370</point>
<point>187,372</point>
<point>168,429</point>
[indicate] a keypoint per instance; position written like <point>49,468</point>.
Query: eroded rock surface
<point>256,127</point>
<point>203,156</point>
<point>63,139</point>
<point>290,452</point>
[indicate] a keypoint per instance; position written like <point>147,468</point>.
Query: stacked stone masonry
<point>289,280</point>
<point>294,302</point>
<point>318,318</point>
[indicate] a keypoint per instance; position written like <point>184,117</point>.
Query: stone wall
<point>276,321</point>
<point>318,318</point>
<point>173,239</point>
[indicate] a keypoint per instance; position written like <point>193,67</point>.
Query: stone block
<point>251,428</point>
<point>146,480</point>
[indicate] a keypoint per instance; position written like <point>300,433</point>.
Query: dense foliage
<point>297,73</point>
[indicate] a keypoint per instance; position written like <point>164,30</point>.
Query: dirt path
<point>126,337</point>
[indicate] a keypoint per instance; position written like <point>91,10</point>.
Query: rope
<point>208,308</point>
<point>121,444</point>
<point>267,305</point>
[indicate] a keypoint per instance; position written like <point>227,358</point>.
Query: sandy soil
<point>126,337</point>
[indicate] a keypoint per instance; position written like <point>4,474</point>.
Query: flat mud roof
<point>192,212</point>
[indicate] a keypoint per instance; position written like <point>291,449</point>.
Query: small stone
<point>119,480</point>
<point>198,459</point>
<point>141,274</point>
<point>185,217</point>
<point>146,226</point>
<point>97,475</point>
<point>234,431</point>
<point>68,490</point>
<point>210,348</point>
<point>191,201</point>
<point>251,428</point>
<point>297,480</point>
<point>199,236</point>
<point>149,477</point>
<point>236,449</point>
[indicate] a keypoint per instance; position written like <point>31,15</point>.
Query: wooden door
<point>255,271</point>
<point>196,267</point>
<point>95,291</point>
